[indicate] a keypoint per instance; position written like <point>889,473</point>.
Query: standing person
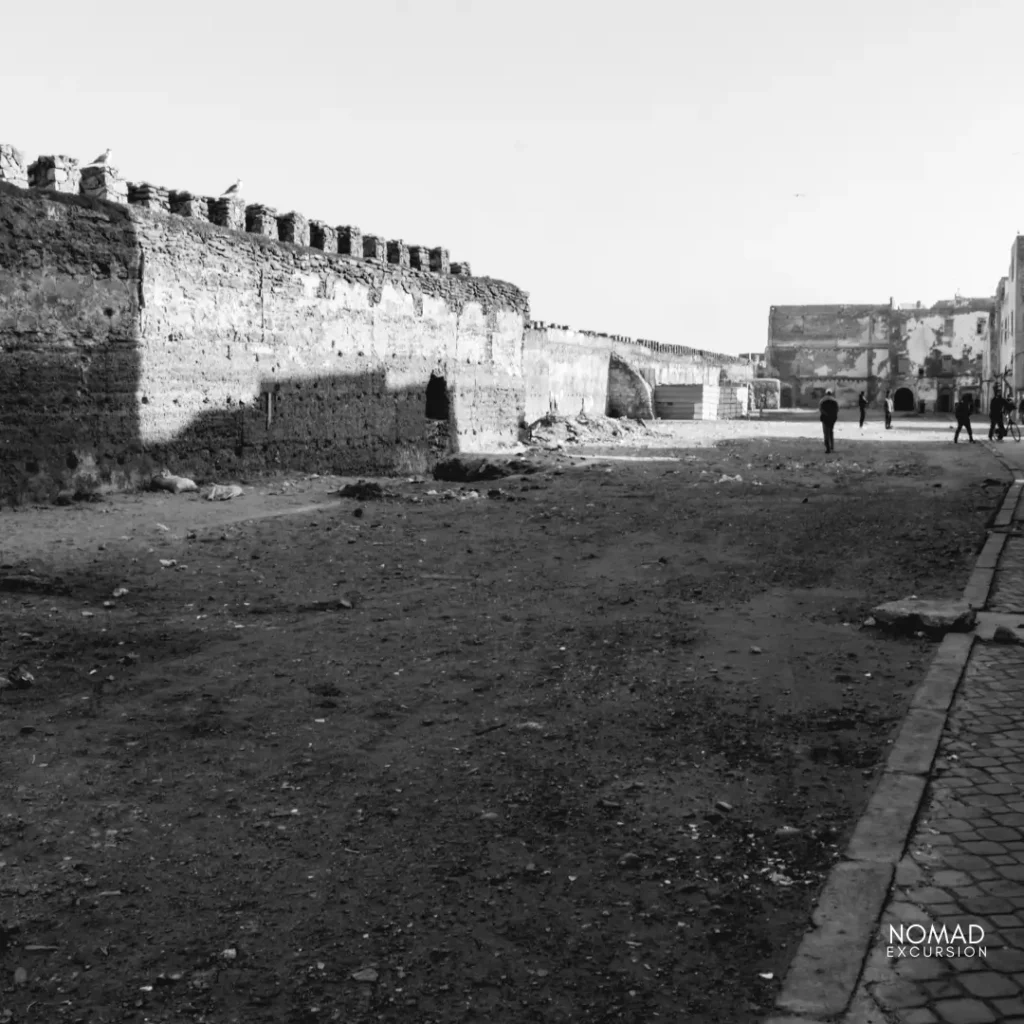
<point>1020,409</point>
<point>888,410</point>
<point>829,409</point>
<point>995,416</point>
<point>963,419</point>
<point>862,402</point>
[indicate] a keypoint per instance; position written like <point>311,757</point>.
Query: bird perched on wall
<point>234,190</point>
<point>101,160</point>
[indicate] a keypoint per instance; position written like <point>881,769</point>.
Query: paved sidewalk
<point>964,862</point>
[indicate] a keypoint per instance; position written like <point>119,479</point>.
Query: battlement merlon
<point>12,166</point>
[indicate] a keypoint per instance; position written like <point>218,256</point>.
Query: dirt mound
<point>555,432</point>
<point>460,469</point>
<point>364,490</point>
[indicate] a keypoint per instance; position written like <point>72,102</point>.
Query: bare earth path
<point>963,866</point>
<point>583,749</point>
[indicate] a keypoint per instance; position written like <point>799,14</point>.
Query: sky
<point>661,170</point>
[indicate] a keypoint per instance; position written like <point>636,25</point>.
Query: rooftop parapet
<point>55,174</point>
<point>12,167</point>
<point>104,183</point>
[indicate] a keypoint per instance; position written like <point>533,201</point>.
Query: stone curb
<point>822,978</point>
<point>827,965</point>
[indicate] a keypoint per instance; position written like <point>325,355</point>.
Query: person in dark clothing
<point>962,409</point>
<point>996,428</point>
<point>888,410</point>
<point>862,402</point>
<point>828,407</point>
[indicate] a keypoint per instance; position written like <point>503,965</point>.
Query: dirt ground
<point>579,748</point>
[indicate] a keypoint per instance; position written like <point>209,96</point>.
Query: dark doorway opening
<point>786,397</point>
<point>903,400</point>
<point>437,398</point>
<point>945,404</point>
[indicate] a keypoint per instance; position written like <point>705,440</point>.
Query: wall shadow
<point>70,324</point>
<point>343,424</point>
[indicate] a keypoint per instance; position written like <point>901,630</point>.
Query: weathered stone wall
<point>934,353</point>
<point>132,338</point>
<point>70,332</point>
<point>568,371</point>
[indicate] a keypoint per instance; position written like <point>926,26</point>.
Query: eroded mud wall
<point>132,338</point>
<point>69,344</point>
<point>568,371</point>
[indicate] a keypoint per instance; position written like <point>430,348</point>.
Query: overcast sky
<point>634,166</point>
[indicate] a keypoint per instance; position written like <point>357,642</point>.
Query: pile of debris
<point>553,432</point>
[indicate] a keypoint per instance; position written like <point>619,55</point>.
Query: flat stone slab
<point>1001,627</point>
<point>917,614</point>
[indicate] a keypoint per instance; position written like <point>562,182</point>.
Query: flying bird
<point>799,195</point>
<point>101,160</point>
<point>234,190</point>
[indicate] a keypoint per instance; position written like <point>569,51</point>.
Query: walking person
<point>828,407</point>
<point>888,410</point>
<point>962,409</point>
<point>996,429</point>
<point>862,403</point>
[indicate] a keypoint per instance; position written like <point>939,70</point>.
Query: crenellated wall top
<point>660,347</point>
<point>68,176</point>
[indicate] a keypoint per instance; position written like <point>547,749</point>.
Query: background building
<point>927,356</point>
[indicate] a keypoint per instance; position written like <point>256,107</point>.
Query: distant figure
<point>233,191</point>
<point>889,409</point>
<point>1020,409</point>
<point>962,409</point>
<point>101,160</point>
<point>829,409</point>
<point>996,427</point>
<point>862,402</point>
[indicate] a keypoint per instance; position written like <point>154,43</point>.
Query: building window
<point>981,325</point>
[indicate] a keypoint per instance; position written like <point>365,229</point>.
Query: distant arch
<point>903,400</point>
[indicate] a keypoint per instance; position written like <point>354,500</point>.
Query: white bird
<point>102,159</point>
<point>234,190</point>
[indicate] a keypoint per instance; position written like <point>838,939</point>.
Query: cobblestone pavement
<point>1008,586</point>
<point>964,864</point>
